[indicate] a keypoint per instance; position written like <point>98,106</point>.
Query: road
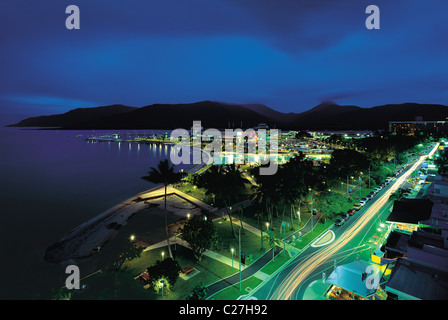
<point>291,282</point>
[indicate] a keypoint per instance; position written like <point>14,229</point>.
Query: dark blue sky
<point>287,54</point>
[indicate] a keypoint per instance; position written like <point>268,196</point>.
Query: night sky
<point>288,54</point>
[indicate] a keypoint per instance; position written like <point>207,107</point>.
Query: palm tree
<point>259,216</point>
<point>265,194</point>
<point>397,195</point>
<point>226,184</point>
<point>291,184</point>
<point>164,173</point>
<point>241,211</point>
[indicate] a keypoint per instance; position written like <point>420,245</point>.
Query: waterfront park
<point>240,228</point>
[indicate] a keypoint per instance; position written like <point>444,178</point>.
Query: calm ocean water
<point>52,181</point>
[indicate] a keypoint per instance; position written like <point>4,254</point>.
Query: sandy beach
<point>87,238</point>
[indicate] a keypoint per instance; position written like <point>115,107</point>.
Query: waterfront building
<point>413,128</point>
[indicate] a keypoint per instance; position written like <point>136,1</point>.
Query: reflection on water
<point>53,181</point>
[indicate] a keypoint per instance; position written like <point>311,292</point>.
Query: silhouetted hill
<point>325,116</point>
<point>280,117</point>
<point>172,116</point>
<point>325,109</point>
<point>378,117</point>
<point>322,115</point>
<point>73,117</point>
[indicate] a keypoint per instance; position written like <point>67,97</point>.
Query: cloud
<point>48,101</point>
<point>289,54</point>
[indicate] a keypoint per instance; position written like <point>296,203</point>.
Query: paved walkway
<point>246,226</point>
<point>252,270</point>
<point>305,229</point>
<point>223,212</point>
<point>208,253</point>
<point>160,192</point>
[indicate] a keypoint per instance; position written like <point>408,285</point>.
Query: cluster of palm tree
<point>226,183</point>
<point>291,186</point>
<point>286,189</point>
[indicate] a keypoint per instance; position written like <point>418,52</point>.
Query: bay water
<point>51,182</point>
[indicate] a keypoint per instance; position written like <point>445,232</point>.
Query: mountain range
<point>212,114</point>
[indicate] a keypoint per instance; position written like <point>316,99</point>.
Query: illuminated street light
<point>132,237</point>
<point>162,282</point>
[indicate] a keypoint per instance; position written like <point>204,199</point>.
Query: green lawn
<point>195,192</point>
<point>250,242</point>
<point>248,215</point>
<point>311,236</point>
<point>278,262</point>
<point>121,285</point>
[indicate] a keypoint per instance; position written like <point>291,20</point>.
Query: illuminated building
<point>413,128</point>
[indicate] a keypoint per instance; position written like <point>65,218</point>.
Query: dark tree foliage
<point>442,162</point>
<point>302,135</point>
<point>200,233</point>
<point>198,293</point>
<point>167,268</point>
<point>130,252</point>
<point>346,161</point>
<point>227,184</point>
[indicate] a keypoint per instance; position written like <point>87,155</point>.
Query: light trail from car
<point>302,270</point>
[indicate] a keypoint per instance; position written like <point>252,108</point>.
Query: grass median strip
<point>275,264</point>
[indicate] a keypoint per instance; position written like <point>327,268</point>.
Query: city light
<point>286,289</point>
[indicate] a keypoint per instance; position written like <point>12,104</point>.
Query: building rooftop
<point>397,241</point>
<point>441,180</point>
<point>420,238</point>
<point>414,280</point>
<point>349,277</point>
<point>411,211</point>
<point>439,216</point>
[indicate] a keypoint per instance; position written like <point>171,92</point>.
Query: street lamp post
<point>240,254</point>
<point>232,257</point>
<point>163,284</point>
<point>351,177</point>
<point>347,184</point>
<point>360,187</point>
<point>311,203</point>
<point>175,237</point>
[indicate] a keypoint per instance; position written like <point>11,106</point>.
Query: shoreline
<point>87,238</point>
